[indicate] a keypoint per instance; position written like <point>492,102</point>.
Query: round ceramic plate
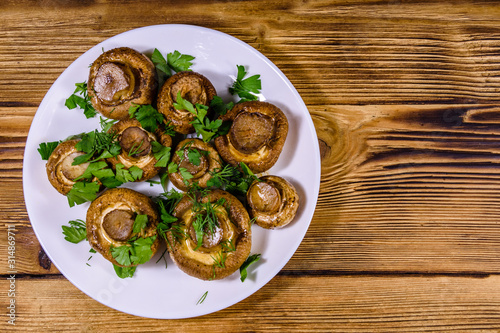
<point>157,291</point>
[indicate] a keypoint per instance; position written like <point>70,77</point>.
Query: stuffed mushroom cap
<point>256,137</point>
<point>120,78</point>
<point>218,249</point>
<point>137,147</point>
<point>198,159</point>
<point>191,86</point>
<point>110,222</point>
<point>273,202</point>
<point>60,169</point>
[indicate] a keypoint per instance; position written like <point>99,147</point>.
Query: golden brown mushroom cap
<point>194,88</point>
<point>256,137</point>
<point>136,145</point>
<point>60,171</point>
<point>273,202</point>
<point>119,78</point>
<point>223,251</point>
<point>110,219</point>
<point>209,161</point>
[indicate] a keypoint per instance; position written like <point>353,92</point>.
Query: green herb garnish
<point>80,99</point>
<point>46,148</point>
<point>124,272</point>
<point>137,252</point>
<point>75,232</point>
<point>232,179</point>
<point>247,88</point>
<point>161,153</point>
<point>250,260</point>
<point>82,192</point>
<point>202,298</point>
<point>140,223</point>
<point>208,129</point>
<point>147,115</point>
<point>175,61</point>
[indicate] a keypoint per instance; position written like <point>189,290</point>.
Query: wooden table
<point>405,100</point>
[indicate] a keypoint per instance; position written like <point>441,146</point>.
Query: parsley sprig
<point>147,115</point>
<point>46,148</point>
<point>75,232</point>
<point>137,251</point>
<point>80,99</point>
<point>203,125</point>
<point>175,61</point>
<point>246,88</point>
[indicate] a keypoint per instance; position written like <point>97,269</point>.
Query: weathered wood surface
<point>405,100</point>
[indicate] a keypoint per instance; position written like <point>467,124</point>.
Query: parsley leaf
<point>124,272</point>
<point>80,99</point>
<point>75,232</point>
<point>160,62</point>
<point>132,174</point>
<point>219,107</point>
<point>135,172</point>
<point>175,61</point>
<point>161,153</point>
<point>208,129</point>
<point>185,174</point>
<point>172,167</point>
<point>137,252</point>
<point>246,88</point>
<point>194,156</point>
<point>98,167</point>
<point>147,115</point>
<point>97,145</point>
<point>122,254</point>
<point>179,62</point>
<point>250,260</point>
<point>82,192</point>
<point>46,148</point>
<point>141,249</point>
<point>140,223</point>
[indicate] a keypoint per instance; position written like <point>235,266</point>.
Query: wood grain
<point>291,304</point>
<point>405,100</point>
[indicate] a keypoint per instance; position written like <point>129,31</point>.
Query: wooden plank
<point>287,303</point>
<point>335,52</point>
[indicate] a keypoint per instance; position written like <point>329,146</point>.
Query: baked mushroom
<point>218,235</point>
<point>137,147</point>
<point>192,87</point>
<point>197,159</point>
<point>60,169</point>
<point>273,202</point>
<point>110,224</point>
<point>256,137</point>
<point>118,79</point>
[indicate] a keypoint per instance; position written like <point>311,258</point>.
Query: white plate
<point>154,291</point>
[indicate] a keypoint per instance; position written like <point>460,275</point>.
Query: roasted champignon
<point>226,243</point>
<point>256,137</point>
<point>198,158</point>
<point>60,169</point>
<point>110,220</point>
<point>273,202</point>
<point>120,78</point>
<point>136,144</point>
<point>194,88</point>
